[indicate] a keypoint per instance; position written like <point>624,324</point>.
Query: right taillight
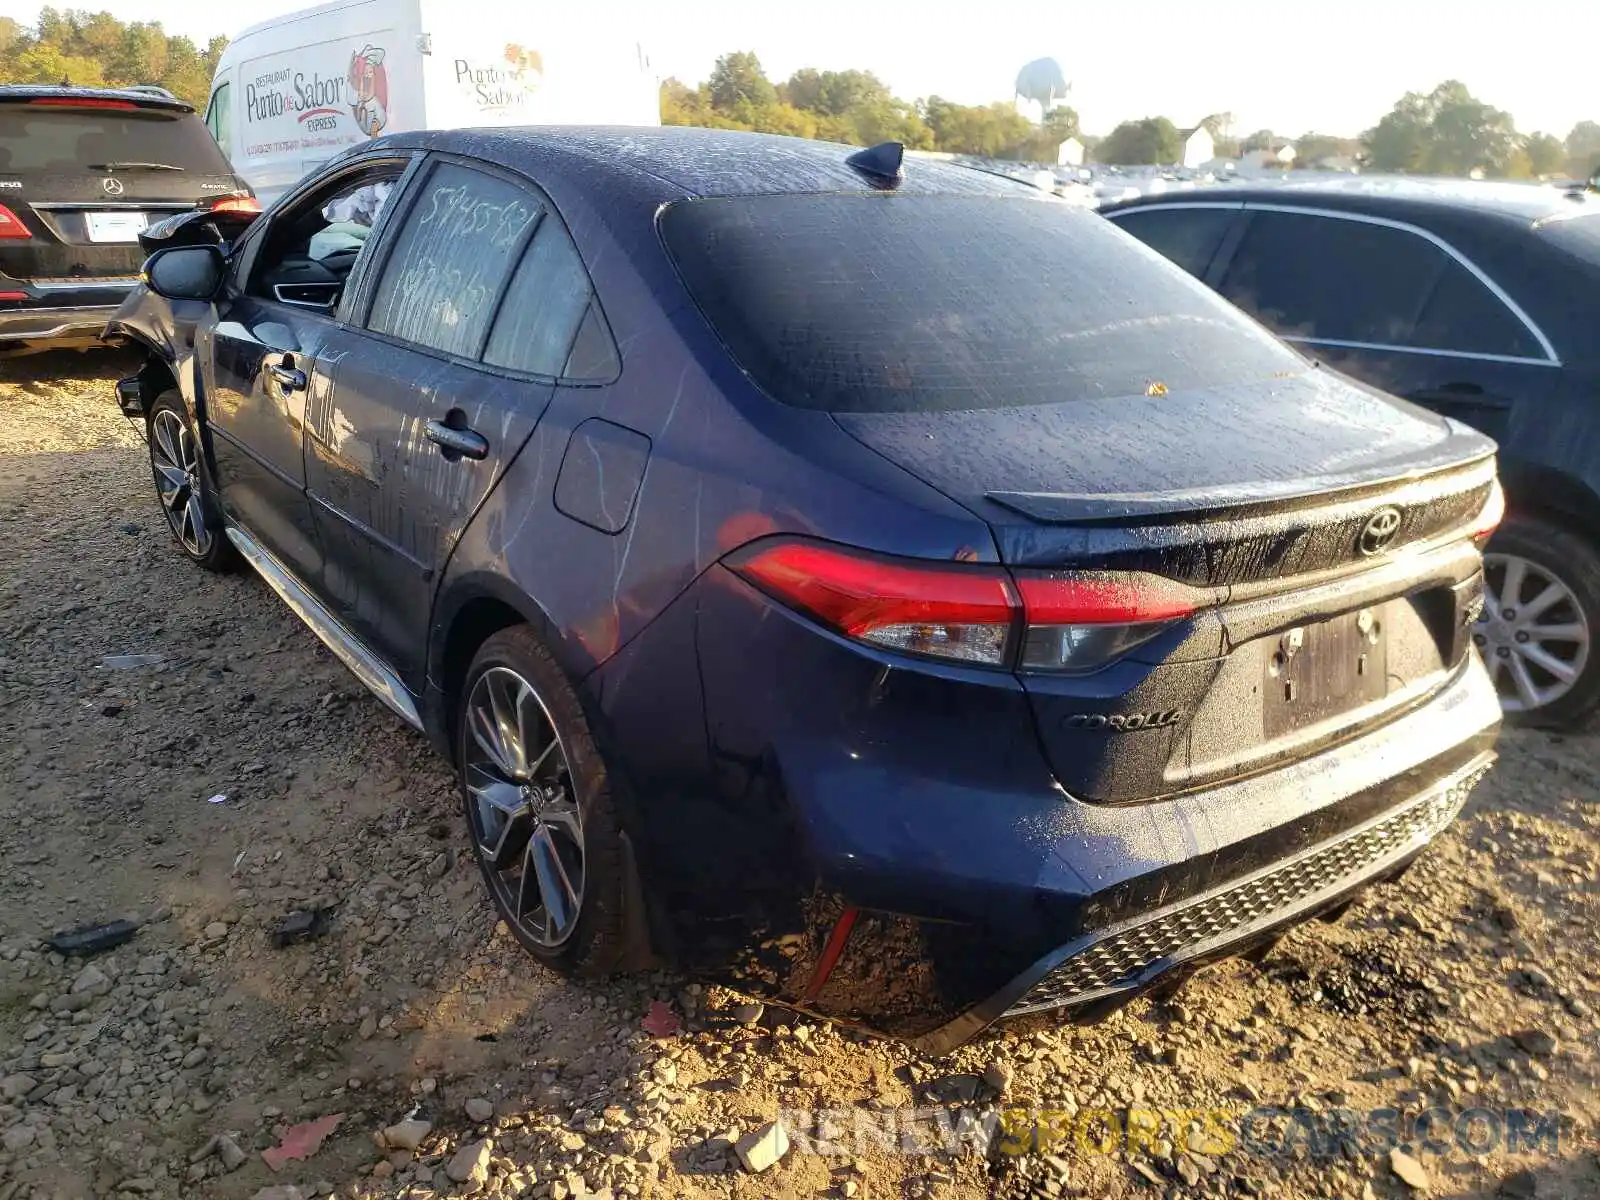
<point>1494,511</point>
<point>1069,622</point>
<point>11,225</point>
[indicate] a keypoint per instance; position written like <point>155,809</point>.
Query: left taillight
<point>11,225</point>
<point>1061,622</point>
<point>239,202</point>
<point>1494,511</point>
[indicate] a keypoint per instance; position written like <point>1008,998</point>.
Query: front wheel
<point>1541,610</point>
<point>538,806</point>
<point>181,485</point>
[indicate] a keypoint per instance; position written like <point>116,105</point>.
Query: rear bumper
<point>1104,969</point>
<point>60,311</point>
<point>886,847</point>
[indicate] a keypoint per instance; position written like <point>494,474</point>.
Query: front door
<point>263,350</point>
<point>470,316</point>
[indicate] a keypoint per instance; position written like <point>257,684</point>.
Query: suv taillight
<point>11,226</point>
<point>1031,620</point>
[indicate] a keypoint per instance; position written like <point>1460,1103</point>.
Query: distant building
<point>1197,147</point>
<point>1280,159</point>
<point>1070,153</point>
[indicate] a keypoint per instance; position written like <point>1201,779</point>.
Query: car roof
<point>144,97</point>
<point>709,162</point>
<point>1523,203</point>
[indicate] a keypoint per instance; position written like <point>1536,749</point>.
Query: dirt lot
<point>1471,984</point>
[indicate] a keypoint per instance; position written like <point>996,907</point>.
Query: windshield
<point>73,140</point>
<point>919,303</point>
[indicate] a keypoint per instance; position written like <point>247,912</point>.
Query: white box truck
<point>291,92</point>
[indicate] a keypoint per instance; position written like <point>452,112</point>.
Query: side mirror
<point>186,272</point>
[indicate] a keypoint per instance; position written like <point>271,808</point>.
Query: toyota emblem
<point>1379,531</point>
<point>113,187</point>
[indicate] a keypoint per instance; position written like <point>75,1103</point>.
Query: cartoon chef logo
<point>369,88</point>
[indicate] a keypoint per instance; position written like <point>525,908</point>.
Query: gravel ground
<point>454,1065</point>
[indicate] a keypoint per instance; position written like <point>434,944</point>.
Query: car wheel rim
<point>526,826</point>
<point>1532,633</point>
<point>177,471</point>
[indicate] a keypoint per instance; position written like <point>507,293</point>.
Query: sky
<point>1289,65</point>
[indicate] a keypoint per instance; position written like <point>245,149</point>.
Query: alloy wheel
<point>177,470</point>
<point>523,811</point>
<point>1532,633</point>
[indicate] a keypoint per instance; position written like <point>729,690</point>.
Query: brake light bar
<point>81,102</point>
<point>240,202</point>
<point>11,225</point>
<point>1039,621</point>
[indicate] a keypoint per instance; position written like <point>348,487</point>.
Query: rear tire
<point>1541,615</point>
<point>192,513</point>
<point>538,807</point>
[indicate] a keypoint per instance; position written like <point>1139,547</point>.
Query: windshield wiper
<point>133,166</point>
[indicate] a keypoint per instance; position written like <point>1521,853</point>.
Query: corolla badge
<point>1379,531</point>
<point>1125,722</point>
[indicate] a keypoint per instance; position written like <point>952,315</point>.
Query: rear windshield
<point>907,303</point>
<point>69,140</point>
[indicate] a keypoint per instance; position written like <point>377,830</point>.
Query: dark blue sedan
<point>870,584</point>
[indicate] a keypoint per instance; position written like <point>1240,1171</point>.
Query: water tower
<point>1043,83</point>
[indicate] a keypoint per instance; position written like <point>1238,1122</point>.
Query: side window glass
<point>450,260</point>
<point>1464,315</point>
<point>1324,277</point>
<point>313,246</point>
<point>1188,236</point>
<point>217,117</point>
<point>548,303</point>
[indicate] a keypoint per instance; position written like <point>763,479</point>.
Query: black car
<point>83,172</point>
<point>1479,301</point>
<point>808,586</point>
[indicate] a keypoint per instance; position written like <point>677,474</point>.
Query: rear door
<point>263,352</point>
<point>82,175</point>
<point>1394,306</point>
<point>470,318</point>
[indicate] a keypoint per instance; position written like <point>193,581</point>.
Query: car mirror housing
<point>185,272</point>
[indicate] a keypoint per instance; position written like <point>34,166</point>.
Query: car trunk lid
<point>1330,525</point>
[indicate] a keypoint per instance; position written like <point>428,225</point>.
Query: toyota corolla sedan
<point>870,584</point>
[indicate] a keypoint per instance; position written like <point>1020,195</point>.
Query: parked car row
<point>808,587</point>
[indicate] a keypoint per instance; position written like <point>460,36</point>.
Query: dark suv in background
<point>83,172</point>
<point>1478,300</point>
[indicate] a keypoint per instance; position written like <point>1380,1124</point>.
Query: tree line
<point>97,50</point>
<point>1444,132</point>
<point>857,107</point>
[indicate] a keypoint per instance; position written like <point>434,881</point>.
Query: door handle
<point>457,443</point>
<point>289,378</point>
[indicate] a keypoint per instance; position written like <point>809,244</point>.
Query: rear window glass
<point>907,303</point>
<point>1188,236</point>
<point>65,141</point>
